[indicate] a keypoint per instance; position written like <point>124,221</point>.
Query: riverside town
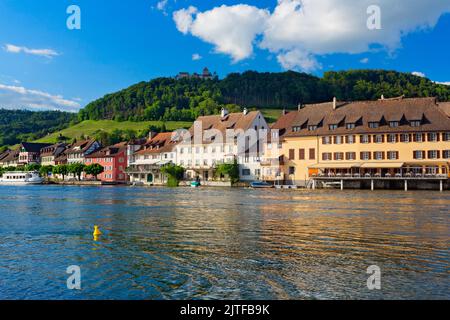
<point>388,143</point>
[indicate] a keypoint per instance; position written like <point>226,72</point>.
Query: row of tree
<point>76,169</point>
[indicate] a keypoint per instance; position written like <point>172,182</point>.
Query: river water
<point>162,243</point>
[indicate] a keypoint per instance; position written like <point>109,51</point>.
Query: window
<point>447,136</point>
<point>326,156</point>
<point>392,155</point>
<point>296,128</point>
<point>379,138</point>
<point>392,138</point>
<point>350,156</point>
<point>205,162</point>
<point>418,154</point>
<point>350,139</point>
<point>338,140</point>
<point>433,154</point>
<point>350,126</point>
<point>257,172</point>
<point>414,123</point>
<point>393,124</point>
<point>404,137</point>
<point>365,138</point>
<point>312,154</point>
<point>333,126</point>
<point>365,155</point>
<point>446,154</point>
<point>374,124</point>
<point>291,154</point>
<point>418,137</point>
<point>181,150</point>
<point>339,156</point>
<point>301,154</point>
<point>121,160</point>
<point>433,137</point>
<point>326,140</point>
<point>378,155</point>
<point>312,128</point>
<point>197,150</point>
<point>245,172</point>
<point>291,170</point>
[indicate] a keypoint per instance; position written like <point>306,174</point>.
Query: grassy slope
<point>88,127</point>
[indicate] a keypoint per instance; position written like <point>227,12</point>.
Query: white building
<point>222,138</point>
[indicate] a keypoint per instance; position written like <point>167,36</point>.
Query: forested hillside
<point>23,125</point>
<point>169,99</point>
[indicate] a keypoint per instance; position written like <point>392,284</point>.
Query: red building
<point>114,161</point>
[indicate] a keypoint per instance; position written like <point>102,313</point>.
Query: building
<point>10,158</point>
<point>113,159</point>
<point>77,152</point>
<point>205,75</point>
<point>30,153</point>
<point>50,153</point>
<point>386,138</point>
<point>146,163</point>
<point>216,139</point>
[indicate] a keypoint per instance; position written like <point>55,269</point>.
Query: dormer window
<point>350,126</point>
<point>333,126</point>
<point>374,124</point>
<point>312,128</point>
<point>296,129</point>
<point>415,123</point>
<point>393,124</point>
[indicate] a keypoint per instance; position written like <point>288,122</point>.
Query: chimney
<point>224,112</point>
<point>151,135</point>
<point>245,111</point>
<point>334,103</point>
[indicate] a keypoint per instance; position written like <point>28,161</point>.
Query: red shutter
<point>382,138</point>
<point>361,155</point>
<point>334,139</point>
<point>438,154</point>
<point>370,138</point>
<point>438,136</point>
<point>370,155</point>
<point>414,155</point>
<point>423,137</point>
<point>383,155</point>
<point>397,155</point>
<point>396,138</point>
<point>346,139</point>
<point>414,138</point>
<point>291,154</point>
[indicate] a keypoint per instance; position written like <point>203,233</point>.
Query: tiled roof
<point>426,110</point>
<point>13,155</point>
<point>34,147</point>
<point>109,151</point>
<point>83,146</point>
<point>50,150</point>
<point>4,154</point>
<point>162,142</point>
<point>445,107</point>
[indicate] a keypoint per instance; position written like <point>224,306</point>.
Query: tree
<point>45,170</point>
<point>62,169</point>
<point>76,169</point>
<point>174,174</point>
<point>32,167</point>
<point>228,169</point>
<point>94,169</point>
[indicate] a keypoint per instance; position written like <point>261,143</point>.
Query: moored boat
<point>260,184</point>
<point>20,178</point>
<point>195,184</point>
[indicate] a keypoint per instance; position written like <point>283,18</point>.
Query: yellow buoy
<point>96,231</point>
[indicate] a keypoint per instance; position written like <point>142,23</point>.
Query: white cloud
<point>13,97</point>
<point>162,5</point>
<point>447,83</point>
<point>418,74</point>
<point>364,60</point>
<point>315,27</point>
<point>48,53</point>
<point>231,29</point>
<point>297,59</point>
<point>196,57</point>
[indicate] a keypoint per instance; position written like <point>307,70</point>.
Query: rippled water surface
<point>161,243</point>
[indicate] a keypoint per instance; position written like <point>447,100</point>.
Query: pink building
<point>114,161</point>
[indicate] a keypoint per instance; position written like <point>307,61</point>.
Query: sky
<point>44,64</point>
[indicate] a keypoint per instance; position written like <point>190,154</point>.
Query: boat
<point>195,184</point>
<point>20,178</point>
<point>260,184</point>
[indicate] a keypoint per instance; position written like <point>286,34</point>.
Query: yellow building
<point>388,138</point>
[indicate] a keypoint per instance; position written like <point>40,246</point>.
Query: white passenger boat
<point>20,178</point>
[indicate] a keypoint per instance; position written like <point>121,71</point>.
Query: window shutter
<point>414,155</point>
<point>423,137</point>
<point>301,154</point>
<point>334,139</point>
<point>323,140</point>
<point>360,139</point>
<point>414,138</point>
<point>397,155</point>
<point>361,155</point>
<point>346,139</point>
<point>370,140</point>
<point>383,155</point>
<point>382,138</point>
<point>438,154</point>
<point>438,137</point>
<point>396,138</point>
<point>370,155</point>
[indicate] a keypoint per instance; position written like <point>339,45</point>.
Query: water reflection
<point>222,243</point>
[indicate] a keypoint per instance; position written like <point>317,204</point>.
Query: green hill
<point>169,99</point>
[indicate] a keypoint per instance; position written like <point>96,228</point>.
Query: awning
<point>376,165</point>
<point>163,162</point>
<point>338,165</point>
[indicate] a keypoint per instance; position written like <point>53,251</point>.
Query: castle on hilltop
<point>205,75</point>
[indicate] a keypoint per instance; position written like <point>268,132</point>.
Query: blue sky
<point>44,65</point>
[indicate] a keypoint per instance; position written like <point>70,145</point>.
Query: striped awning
<point>376,165</point>
<point>336,165</point>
